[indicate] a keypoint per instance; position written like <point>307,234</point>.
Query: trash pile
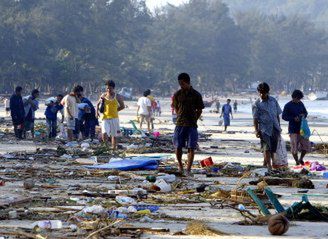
<point>86,190</point>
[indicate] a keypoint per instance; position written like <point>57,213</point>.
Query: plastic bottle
<point>241,207</point>
<point>116,214</point>
<point>152,208</point>
<point>49,224</point>
<point>169,178</point>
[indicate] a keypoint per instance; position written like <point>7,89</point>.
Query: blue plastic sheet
<point>136,163</point>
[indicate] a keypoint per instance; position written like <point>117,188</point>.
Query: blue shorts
<point>226,120</point>
<point>183,134</point>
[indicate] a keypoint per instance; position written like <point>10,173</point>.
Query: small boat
<point>318,95</point>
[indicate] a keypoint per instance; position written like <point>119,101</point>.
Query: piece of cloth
<point>143,103</point>
<point>290,112</point>
<point>298,143</point>
<point>270,142</point>
<point>110,108</point>
<point>17,109</point>
<point>70,105</point>
<point>185,137</point>
<point>267,113</point>
<point>111,127</point>
<point>52,127</point>
<point>187,103</point>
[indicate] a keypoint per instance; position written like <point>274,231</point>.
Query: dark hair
<point>263,87</point>
<point>35,91</point>
<point>184,77</point>
<point>146,93</point>
<point>77,89</point>
<point>18,89</point>
<point>229,100</point>
<point>110,83</point>
<point>60,95</point>
<point>81,89</point>
<point>297,94</point>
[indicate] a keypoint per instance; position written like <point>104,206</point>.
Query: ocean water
<point>317,108</point>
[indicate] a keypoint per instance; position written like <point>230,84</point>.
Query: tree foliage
<point>53,44</point>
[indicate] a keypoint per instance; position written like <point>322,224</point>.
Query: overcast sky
<point>152,4</point>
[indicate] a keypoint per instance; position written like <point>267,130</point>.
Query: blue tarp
<point>141,163</point>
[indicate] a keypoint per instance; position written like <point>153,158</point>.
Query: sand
<point>236,146</point>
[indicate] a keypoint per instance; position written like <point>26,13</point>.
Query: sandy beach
<point>238,145</point>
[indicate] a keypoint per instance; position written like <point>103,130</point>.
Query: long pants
<point>18,131</point>
<point>89,128</point>
<point>77,129</point>
<point>52,128</point>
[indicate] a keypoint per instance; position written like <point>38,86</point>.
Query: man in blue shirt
<point>87,117</point>
<point>51,116</point>
<point>266,111</point>
<point>293,112</point>
<point>226,112</point>
<point>17,112</point>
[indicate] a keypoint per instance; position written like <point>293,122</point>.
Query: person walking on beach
<point>31,105</point>
<point>70,102</point>
<point>144,109</point>
<point>235,106</point>
<point>266,112</point>
<point>293,112</point>
<point>110,103</point>
<point>188,104</point>
<point>226,112</point>
<point>17,112</point>
<point>218,106</point>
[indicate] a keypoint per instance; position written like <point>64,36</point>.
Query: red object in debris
<point>207,162</point>
<point>2,183</point>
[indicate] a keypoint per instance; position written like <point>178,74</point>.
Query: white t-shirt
<point>144,102</point>
<point>70,104</point>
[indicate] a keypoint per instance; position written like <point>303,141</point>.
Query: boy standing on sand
<point>226,112</point>
<point>188,104</point>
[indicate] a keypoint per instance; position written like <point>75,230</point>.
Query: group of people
<point>266,114</point>
<point>147,108</point>
<point>23,111</point>
<point>188,105</point>
<point>81,116</point>
<point>78,113</point>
